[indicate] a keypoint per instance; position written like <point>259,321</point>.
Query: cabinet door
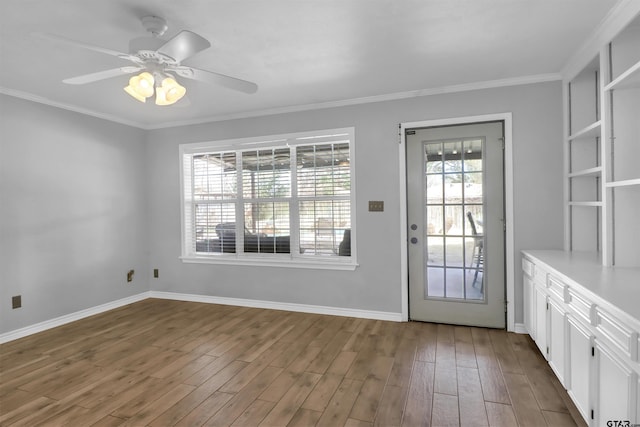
<point>541,323</point>
<point>557,339</point>
<point>579,366</point>
<point>528,306</point>
<point>616,387</point>
<point>637,420</point>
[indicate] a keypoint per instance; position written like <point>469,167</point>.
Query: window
<point>283,200</point>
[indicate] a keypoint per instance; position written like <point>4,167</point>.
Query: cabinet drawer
<point>528,267</point>
<point>557,288</point>
<point>580,305</point>
<point>619,334</point>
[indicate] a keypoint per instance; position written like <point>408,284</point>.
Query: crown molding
<point>489,84</point>
<point>69,107</point>
<point>465,87</point>
<point>618,17</point>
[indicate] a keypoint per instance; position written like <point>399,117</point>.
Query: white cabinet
<point>579,361</point>
<point>557,339</point>
<point>540,309</point>
<point>528,306</point>
<point>617,387</point>
<point>638,400</point>
<point>591,342</point>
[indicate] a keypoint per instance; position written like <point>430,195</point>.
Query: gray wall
<point>375,284</point>
<point>73,212</point>
<point>83,200</point>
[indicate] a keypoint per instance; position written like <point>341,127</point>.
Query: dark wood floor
<point>164,363</point>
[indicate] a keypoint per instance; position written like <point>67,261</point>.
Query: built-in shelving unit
<point>630,79</point>
<point>621,99</point>
<point>583,159</point>
<point>602,153</point>
<point>581,304</point>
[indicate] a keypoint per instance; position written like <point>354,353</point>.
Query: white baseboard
<point>273,305</point>
<point>520,329</point>
<point>68,318</point>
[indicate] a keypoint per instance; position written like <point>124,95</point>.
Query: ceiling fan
<point>157,61</point>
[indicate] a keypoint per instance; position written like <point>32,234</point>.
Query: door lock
<point>414,240</point>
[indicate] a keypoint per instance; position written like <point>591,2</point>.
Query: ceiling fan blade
<point>216,79</point>
<point>100,75</point>
<point>184,45</point>
<point>85,46</point>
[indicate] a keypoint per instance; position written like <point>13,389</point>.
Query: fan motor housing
<point>155,25</point>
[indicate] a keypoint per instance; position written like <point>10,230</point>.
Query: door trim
<point>508,205</point>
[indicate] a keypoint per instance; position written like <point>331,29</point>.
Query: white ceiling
<point>301,53</point>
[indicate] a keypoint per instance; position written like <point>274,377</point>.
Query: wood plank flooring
<point>166,363</point>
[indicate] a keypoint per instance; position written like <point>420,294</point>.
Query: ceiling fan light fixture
<point>153,57</point>
<point>131,91</point>
<point>169,92</point>
<point>140,86</point>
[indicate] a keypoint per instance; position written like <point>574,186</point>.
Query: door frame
<point>506,118</point>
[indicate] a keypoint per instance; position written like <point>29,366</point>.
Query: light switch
<point>376,206</point>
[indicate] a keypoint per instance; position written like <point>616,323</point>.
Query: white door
<point>455,208</point>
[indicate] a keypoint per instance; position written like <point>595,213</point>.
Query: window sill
<point>318,264</point>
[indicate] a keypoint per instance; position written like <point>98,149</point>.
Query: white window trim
<point>291,260</point>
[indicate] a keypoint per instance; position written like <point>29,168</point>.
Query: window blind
<point>291,199</point>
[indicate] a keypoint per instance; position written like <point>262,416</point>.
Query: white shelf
<point>593,130</point>
<point>627,80</point>
<point>587,172</point>
<point>602,103</point>
<point>586,204</point>
<point>624,183</point>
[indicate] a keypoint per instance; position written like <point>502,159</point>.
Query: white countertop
<point>618,286</point>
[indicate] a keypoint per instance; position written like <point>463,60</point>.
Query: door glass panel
<point>435,282</point>
<point>453,187</point>
<point>478,220</point>
<point>435,220</point>
<point>434,157</point>
<point>435,255</point>
<point>454,252</point>
<point>472,155</point>
<point>434,188</point>
<point>454,219</point>
<point>473,188</point>
<point>454,283</point>
<point>452,156</point>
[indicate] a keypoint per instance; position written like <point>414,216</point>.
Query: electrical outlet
<point>130,276</point>
<point>156,273</point>
<point>16,302</point>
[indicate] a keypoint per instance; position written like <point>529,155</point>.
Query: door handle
<point>414,240</point>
